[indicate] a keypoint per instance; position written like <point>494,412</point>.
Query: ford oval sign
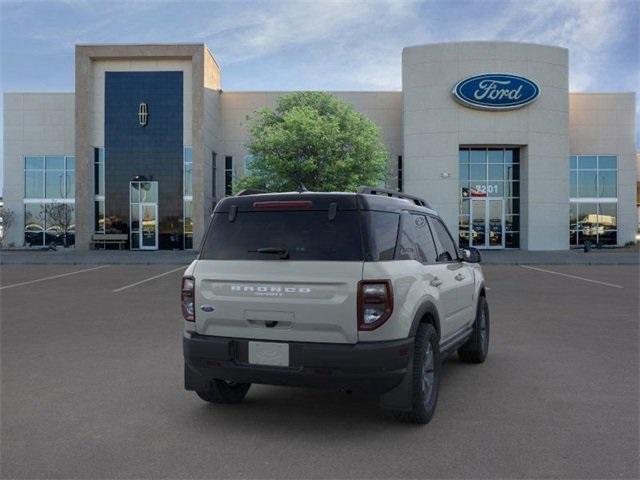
<point>496,91</point>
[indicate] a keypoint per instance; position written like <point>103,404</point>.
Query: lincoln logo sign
<point>143,114</point>
<point>496,91</point>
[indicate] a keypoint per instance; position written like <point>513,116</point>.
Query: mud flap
<point>401,397</point>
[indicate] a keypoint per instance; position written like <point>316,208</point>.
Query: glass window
<point>54,183</point>
<point>382,236</point>
<point>607,184</point>
<point>135,192</point>
<point>587,183</point>
<point>587,162</point>
<point>512,240</point>
<point>54,163</point>
<point>512,189</point>
<point>510,156</point>
<point>477,171</point>
<point>34,184</point>
<point>573,216</point>
<point>512,223</point>
<point>607,162</point>
<point>495,156</point>
<point>304,235</point>
<point>188,172</point>
<point>99,216</point>
<point>188,225</point>
<point>228,175</point>
<point>448,250</point>
<point>607,215</point>
<point>463,230</point>
<point>213,174</point>
<point>464,172</point>
<point>463,156</point>
<point>416,242</point>
<point>573,181</point>
<point>188,179</point>
<point>34,163</point>
<point>512,171</point>
<point>148,192</point>
<point>496,172</point>
<point>71,163</point>
<point>478,156</point>
<point>99,178</point>
<point>573,162</point>
<point>34,217</point>
<point>70,185</point>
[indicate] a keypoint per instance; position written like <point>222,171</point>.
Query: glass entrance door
<point>487,224</point>
<point>144,215</point>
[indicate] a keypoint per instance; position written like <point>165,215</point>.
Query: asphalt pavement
<point>91,368</point>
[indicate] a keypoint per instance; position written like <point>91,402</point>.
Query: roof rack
<point>391,193</point>
<point>249,191</point>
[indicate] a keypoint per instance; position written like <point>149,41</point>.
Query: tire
<point>475,349</point>
<point>426,358</point>
<point>221,391</point>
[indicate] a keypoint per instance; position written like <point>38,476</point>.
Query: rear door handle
<point>436,282</point>
<point>459,277</point>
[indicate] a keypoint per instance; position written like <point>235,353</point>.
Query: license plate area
<point>269,353</point>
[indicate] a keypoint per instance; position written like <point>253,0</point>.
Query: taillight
<point>187,297</point>
<point>375,303</point>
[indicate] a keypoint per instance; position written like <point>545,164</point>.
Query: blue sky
<point>323,45</point>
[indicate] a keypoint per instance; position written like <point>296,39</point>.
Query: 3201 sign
<point>490,189</point>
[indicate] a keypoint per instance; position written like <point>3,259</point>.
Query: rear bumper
<point>370,366</point>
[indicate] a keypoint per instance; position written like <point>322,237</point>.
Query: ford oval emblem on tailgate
<point>207,308</point>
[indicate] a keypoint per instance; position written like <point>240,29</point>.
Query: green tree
<point>315,139</point>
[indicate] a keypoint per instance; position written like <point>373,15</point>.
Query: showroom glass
<point>593,206</point>
<point>98,186</point>
<point>187,199</point>
<point>49,197</point>
<point>486,174</point>
<point>153,152</point>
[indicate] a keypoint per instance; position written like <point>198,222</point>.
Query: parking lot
<point>92,388</point>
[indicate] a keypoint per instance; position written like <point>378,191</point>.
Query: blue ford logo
<point>496,91</point>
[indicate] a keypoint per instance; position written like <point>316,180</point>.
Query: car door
<point>457,288</point>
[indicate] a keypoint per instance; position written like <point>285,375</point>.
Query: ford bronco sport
<point>357,291</point>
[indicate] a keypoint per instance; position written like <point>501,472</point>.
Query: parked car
<point>356,291</point>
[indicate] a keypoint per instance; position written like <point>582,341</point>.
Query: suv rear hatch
<point>281,267</point>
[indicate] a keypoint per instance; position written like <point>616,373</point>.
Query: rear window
<point>304,235</point>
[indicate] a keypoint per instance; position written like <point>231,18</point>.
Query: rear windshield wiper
<point>283,252</point>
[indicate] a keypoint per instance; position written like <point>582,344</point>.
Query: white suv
<point>357,291</point>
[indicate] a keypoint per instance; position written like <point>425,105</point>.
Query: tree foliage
<point>315,139</point>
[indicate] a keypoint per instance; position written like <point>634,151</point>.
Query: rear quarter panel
<point>411,289</point>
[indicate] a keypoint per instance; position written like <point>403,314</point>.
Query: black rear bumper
<point>367,366</point>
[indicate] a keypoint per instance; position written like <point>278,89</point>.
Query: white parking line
<point>613,285</point>
<point>52,277</point>
<point>149,279</point>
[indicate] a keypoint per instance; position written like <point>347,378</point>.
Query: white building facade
<point>487,132</point>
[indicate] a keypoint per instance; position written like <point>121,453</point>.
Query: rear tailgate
<point>310,301</point>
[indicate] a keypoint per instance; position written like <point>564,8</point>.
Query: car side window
<point>447,251</point>
<point>415,242</point>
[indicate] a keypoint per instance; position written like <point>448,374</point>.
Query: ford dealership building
<point>487,132</point>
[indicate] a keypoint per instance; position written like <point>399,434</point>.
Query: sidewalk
<point>613,256</point>
<point>70,256</point>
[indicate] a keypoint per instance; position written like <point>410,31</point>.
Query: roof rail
<point>391,193</point>
<point>249,191</point>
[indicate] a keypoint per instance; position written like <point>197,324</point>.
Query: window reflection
<point>49,191</point>
<point>486,173</point>
<point>593,207</point>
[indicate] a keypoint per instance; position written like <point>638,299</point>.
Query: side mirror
<point>471,255</point>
